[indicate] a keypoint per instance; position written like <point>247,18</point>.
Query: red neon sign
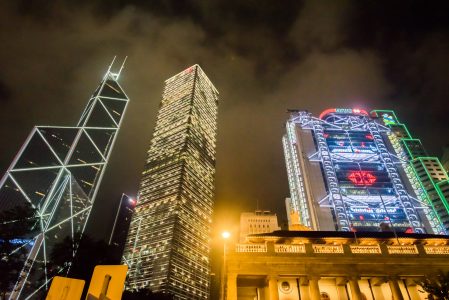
<point>343,111</point>
<point>326,112</point>
<point>362,178</point>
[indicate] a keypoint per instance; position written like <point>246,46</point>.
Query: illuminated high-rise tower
<point>57,173</point>
<point>167,248</point>
<point>353,171</point>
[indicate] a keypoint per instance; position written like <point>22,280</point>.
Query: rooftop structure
<point>260,221</point>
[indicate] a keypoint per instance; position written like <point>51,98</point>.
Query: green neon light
<point>441,196</point>
<point>416,160</point>
<point>440,193</point>
<point>406,142</point>
<point>426,195</point>
<point>379,112</point>
<point>403,127</point>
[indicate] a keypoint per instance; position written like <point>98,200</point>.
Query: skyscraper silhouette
<point>168,242</point>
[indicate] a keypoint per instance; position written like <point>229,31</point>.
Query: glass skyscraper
<point>167,247</point>
<point>57,173</point>
<point>350,170</point>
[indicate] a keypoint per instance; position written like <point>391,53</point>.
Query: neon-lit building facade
<point>348,170</point>
<point>167,247</point>
<point>58,172</point>
<point>427,175</point>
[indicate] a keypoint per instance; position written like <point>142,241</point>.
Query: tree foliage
<point>145,294</point>
<point>437,286</point>
<point>88,254</point>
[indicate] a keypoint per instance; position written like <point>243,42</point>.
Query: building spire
<point>115,75</point>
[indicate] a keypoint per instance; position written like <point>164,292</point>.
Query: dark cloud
<point>5,92</point>
<point>263,58</point>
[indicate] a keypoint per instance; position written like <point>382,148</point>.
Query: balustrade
<point>318,248</point>
<point>442,250</point>
<point>367,249</point>
<point>402,249</point>
<point>284,248</point>
<point>251,248</point>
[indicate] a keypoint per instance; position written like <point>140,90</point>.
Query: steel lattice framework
<point>364,175</point>
<point>58,171</point>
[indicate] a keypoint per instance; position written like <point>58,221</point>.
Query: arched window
<point>325,296</point>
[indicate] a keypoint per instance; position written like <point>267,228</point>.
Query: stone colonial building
<point>287,265</point>
<point>260,221</point>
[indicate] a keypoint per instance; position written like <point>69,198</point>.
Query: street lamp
<point>225,235</point>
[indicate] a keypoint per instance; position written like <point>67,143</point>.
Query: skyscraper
<point>426,173</point>
<point>167,247</point>
<point>121,224</point>
<point>353,171</point>
<point>57,172</point>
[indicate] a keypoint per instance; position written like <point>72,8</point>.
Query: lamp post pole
<point>225,235</point>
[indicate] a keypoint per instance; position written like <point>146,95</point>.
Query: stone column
<point>413,292</point>
<point>304,288</point>
<point>273,288</point>
<point>376,283</point>
<point>355,289</point>
<point>412,288</point>
<point>341,288</point>
<point>314,289</point>
<point>231,286</point>
<point>395,290</point>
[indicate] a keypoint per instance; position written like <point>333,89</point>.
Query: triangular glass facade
<point>58,171</point>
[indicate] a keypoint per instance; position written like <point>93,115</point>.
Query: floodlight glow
<point>225,234</point>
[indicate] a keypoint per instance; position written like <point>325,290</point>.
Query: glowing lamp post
<point>225,235</point>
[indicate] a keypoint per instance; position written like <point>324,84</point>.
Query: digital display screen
<point>368,219</point>
<point>369,187</point>
<point>354,142</point>
<point>370,199</point>
<point>373,177</point>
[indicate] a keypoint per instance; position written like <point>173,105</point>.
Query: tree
<point>145,294</point>
<point>437,286</point>
<point>88,254</point>
<point>17,227</point>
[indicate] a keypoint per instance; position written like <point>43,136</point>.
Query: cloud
<point>342,78</point>
<point>263,58</point>
<point>321,25</point>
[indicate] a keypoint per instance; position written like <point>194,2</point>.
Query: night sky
<point>263,56</point>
